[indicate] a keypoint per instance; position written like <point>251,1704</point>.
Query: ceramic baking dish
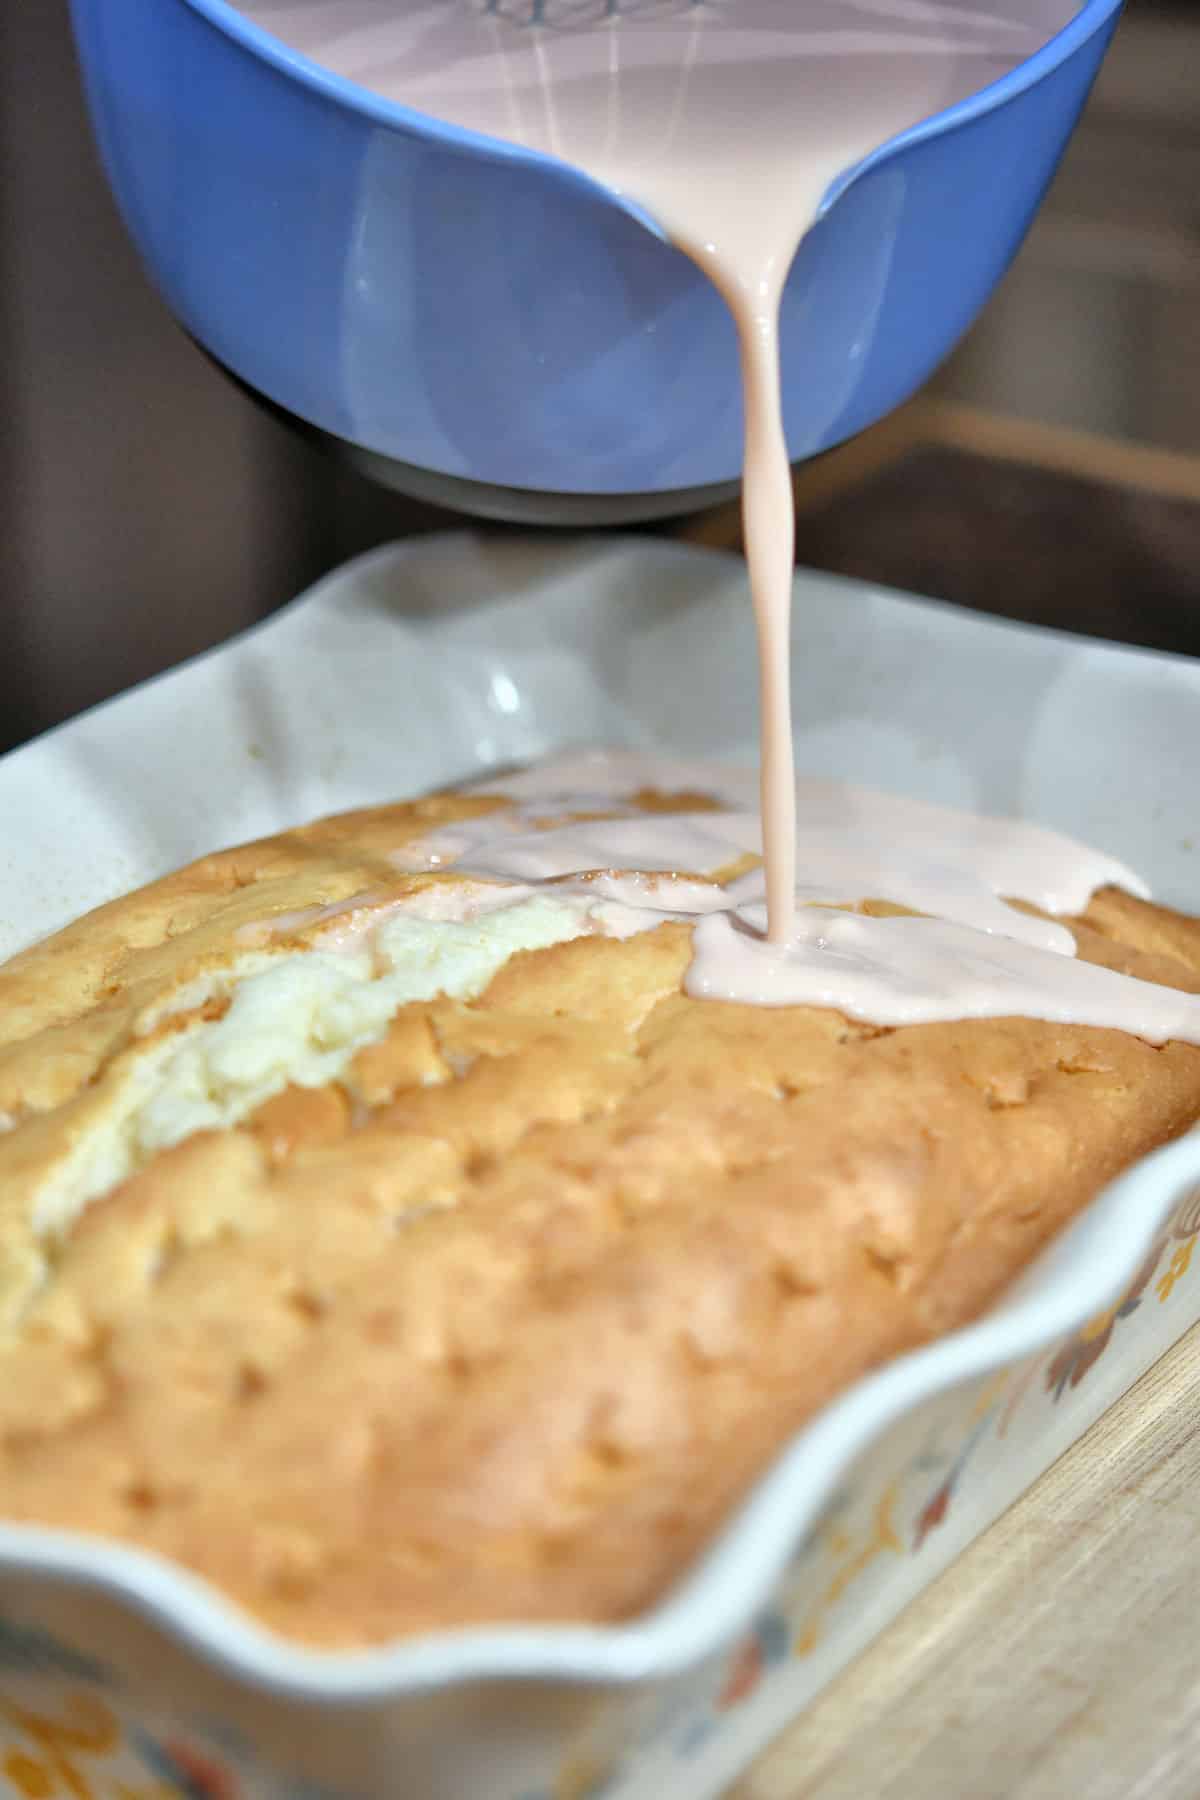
<point>123,1677</point>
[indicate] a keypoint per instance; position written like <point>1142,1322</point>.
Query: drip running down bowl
<point>484,325</point>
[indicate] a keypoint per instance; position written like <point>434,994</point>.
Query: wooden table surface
<point>1057,1659</point>
<point>1024,522</point>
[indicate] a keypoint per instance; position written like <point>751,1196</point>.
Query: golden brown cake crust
<point>503,1324</point>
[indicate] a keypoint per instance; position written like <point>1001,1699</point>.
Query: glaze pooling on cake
<point>974,954</point>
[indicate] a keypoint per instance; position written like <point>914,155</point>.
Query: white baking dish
<point>429,662</point>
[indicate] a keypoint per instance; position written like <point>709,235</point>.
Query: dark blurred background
<point>147,509</point>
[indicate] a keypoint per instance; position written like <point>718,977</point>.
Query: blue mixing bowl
<point>385,278</point>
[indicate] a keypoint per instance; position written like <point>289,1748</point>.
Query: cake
<point>398,1244</point>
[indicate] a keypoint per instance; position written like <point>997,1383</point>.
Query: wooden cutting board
<point>1058,1659</point>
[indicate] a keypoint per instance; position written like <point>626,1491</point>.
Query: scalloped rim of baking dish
<point>1074,1279</point>
<point>1080,1273</point>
